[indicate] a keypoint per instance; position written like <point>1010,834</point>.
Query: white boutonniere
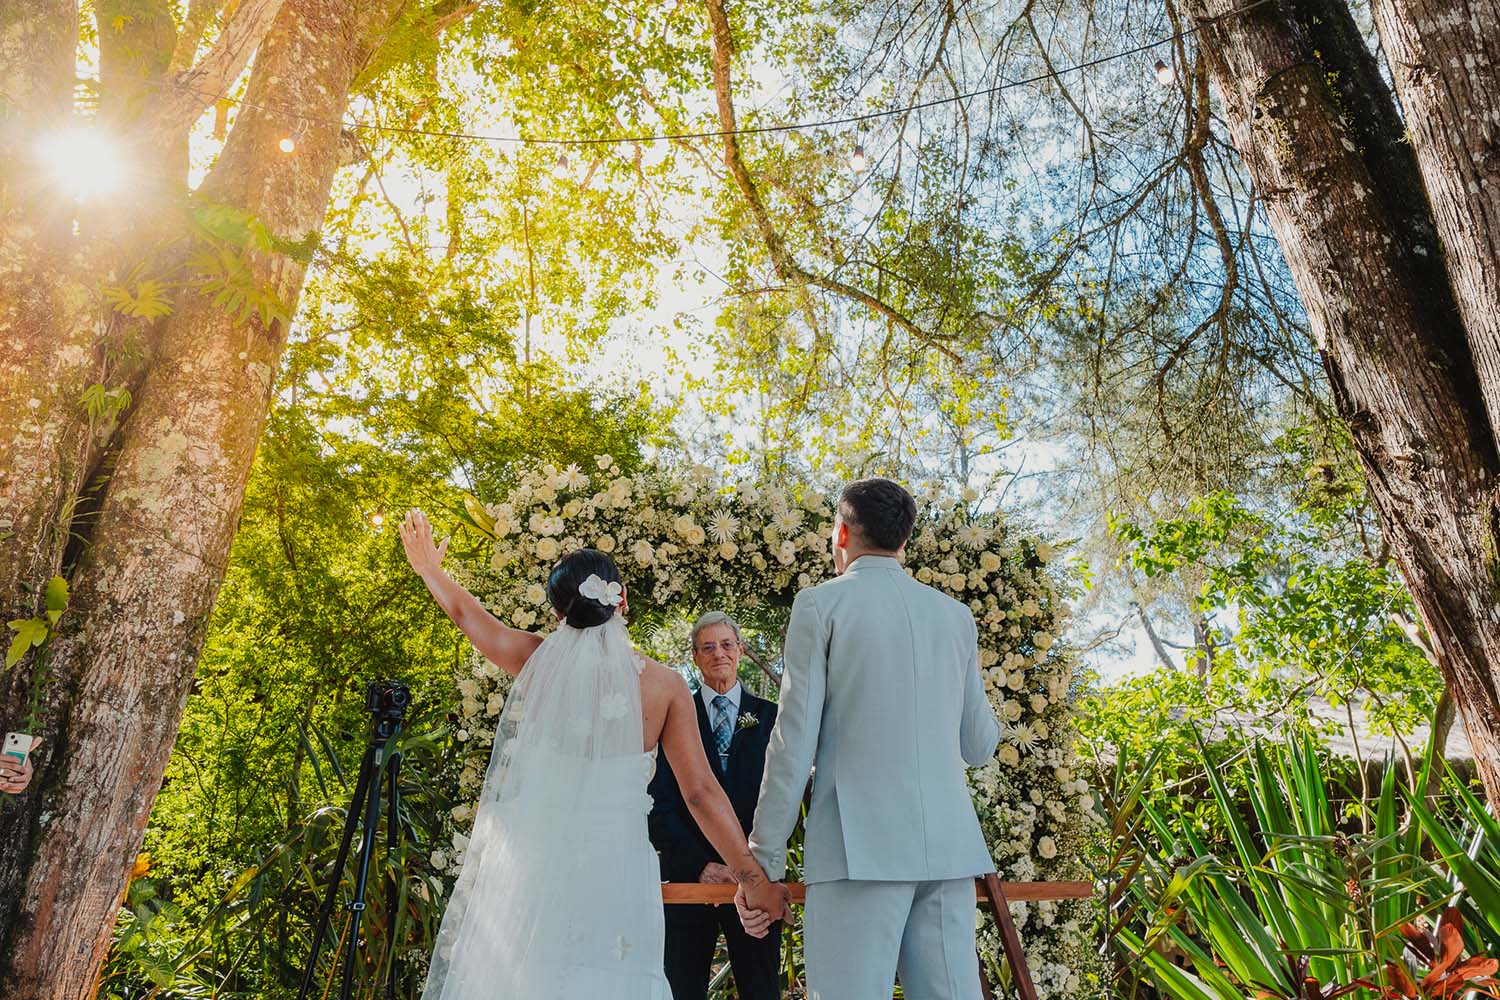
<point>748,721</point>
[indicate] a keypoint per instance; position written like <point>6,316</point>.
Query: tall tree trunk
<point>145,584</point>
<point>1357,239</point>
<point>1444,56</point>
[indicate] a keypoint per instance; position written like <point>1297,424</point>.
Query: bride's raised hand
<point>416,539</point>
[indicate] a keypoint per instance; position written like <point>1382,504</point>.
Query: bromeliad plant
<point>1449,974</point>
<point>1300,902</point>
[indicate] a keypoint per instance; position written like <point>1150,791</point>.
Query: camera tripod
<point>386,701</point>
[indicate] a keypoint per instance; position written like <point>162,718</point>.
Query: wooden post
<point>1010,938</point>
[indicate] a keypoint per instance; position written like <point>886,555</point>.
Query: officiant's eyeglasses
<point>713,647</point>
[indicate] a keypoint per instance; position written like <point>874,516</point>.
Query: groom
<point>881,688</point>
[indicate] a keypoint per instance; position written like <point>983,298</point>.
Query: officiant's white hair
<point>716,618</point>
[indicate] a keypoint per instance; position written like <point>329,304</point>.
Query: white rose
<point>1038,704</point>
<point>605,543</point>
<point>1010,756</point>
<point>439,860</point>
<point>547,549</point>
<point>536,593</point>
<point>643,553</point>
<point>728,550</point>
<point>1046,848</point>
<point>696,536</point>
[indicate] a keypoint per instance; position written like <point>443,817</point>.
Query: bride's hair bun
<point>569,575</point>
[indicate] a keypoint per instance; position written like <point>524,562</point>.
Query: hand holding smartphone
<point>20,745</point>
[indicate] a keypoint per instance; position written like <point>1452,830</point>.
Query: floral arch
<point>686,542</point>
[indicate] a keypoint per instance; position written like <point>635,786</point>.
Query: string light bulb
<point>287,144</point>
<point>1165,75</point>
<point>857,162</point>
<point>377,519</point>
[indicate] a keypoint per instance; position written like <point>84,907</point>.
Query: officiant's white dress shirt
<point>708,694</point>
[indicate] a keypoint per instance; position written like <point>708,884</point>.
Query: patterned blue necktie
<point>723,729</point>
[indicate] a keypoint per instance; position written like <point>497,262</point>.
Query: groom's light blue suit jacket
<point>881,688</point>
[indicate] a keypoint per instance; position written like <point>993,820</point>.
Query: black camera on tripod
<point>387,699</point>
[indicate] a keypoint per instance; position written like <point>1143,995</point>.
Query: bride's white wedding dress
<point>560,894</point>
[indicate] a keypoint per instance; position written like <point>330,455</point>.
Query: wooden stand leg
<point>1009,938</point>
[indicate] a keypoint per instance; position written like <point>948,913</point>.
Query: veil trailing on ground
<point>566,782</point>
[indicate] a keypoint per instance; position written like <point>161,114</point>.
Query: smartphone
<point>17,745</point>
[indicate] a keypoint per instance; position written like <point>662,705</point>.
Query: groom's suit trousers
<point>859,936</point>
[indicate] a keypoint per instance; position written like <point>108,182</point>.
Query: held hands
<point>416,539</point>
<point>762,905</point>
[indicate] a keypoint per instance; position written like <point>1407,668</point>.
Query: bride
<point>560,894</point>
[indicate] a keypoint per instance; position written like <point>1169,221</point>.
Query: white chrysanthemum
<point>788,521</point>
<point>724,527</point>
<point>971,536</point>
<point>573,478</point>
<point>1023,736</point>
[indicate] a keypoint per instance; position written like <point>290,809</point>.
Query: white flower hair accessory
<point>610,594</point>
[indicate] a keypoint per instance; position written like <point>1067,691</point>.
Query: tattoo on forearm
<point>748,876</point>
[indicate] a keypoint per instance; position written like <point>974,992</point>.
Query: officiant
<point>735,726</point>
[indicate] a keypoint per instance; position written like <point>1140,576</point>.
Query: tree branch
<point>204,83</point>
<point>787,268</point>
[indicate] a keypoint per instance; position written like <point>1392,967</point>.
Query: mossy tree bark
<point>1359,225</point>
<point>136,508</point>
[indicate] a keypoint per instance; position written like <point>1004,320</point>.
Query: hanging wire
<point>714,133</point>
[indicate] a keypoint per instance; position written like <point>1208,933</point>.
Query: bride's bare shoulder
<point>659,679</point>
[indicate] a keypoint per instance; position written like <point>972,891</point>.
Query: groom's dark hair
<point>880,512</point>
<point>570,574</point>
